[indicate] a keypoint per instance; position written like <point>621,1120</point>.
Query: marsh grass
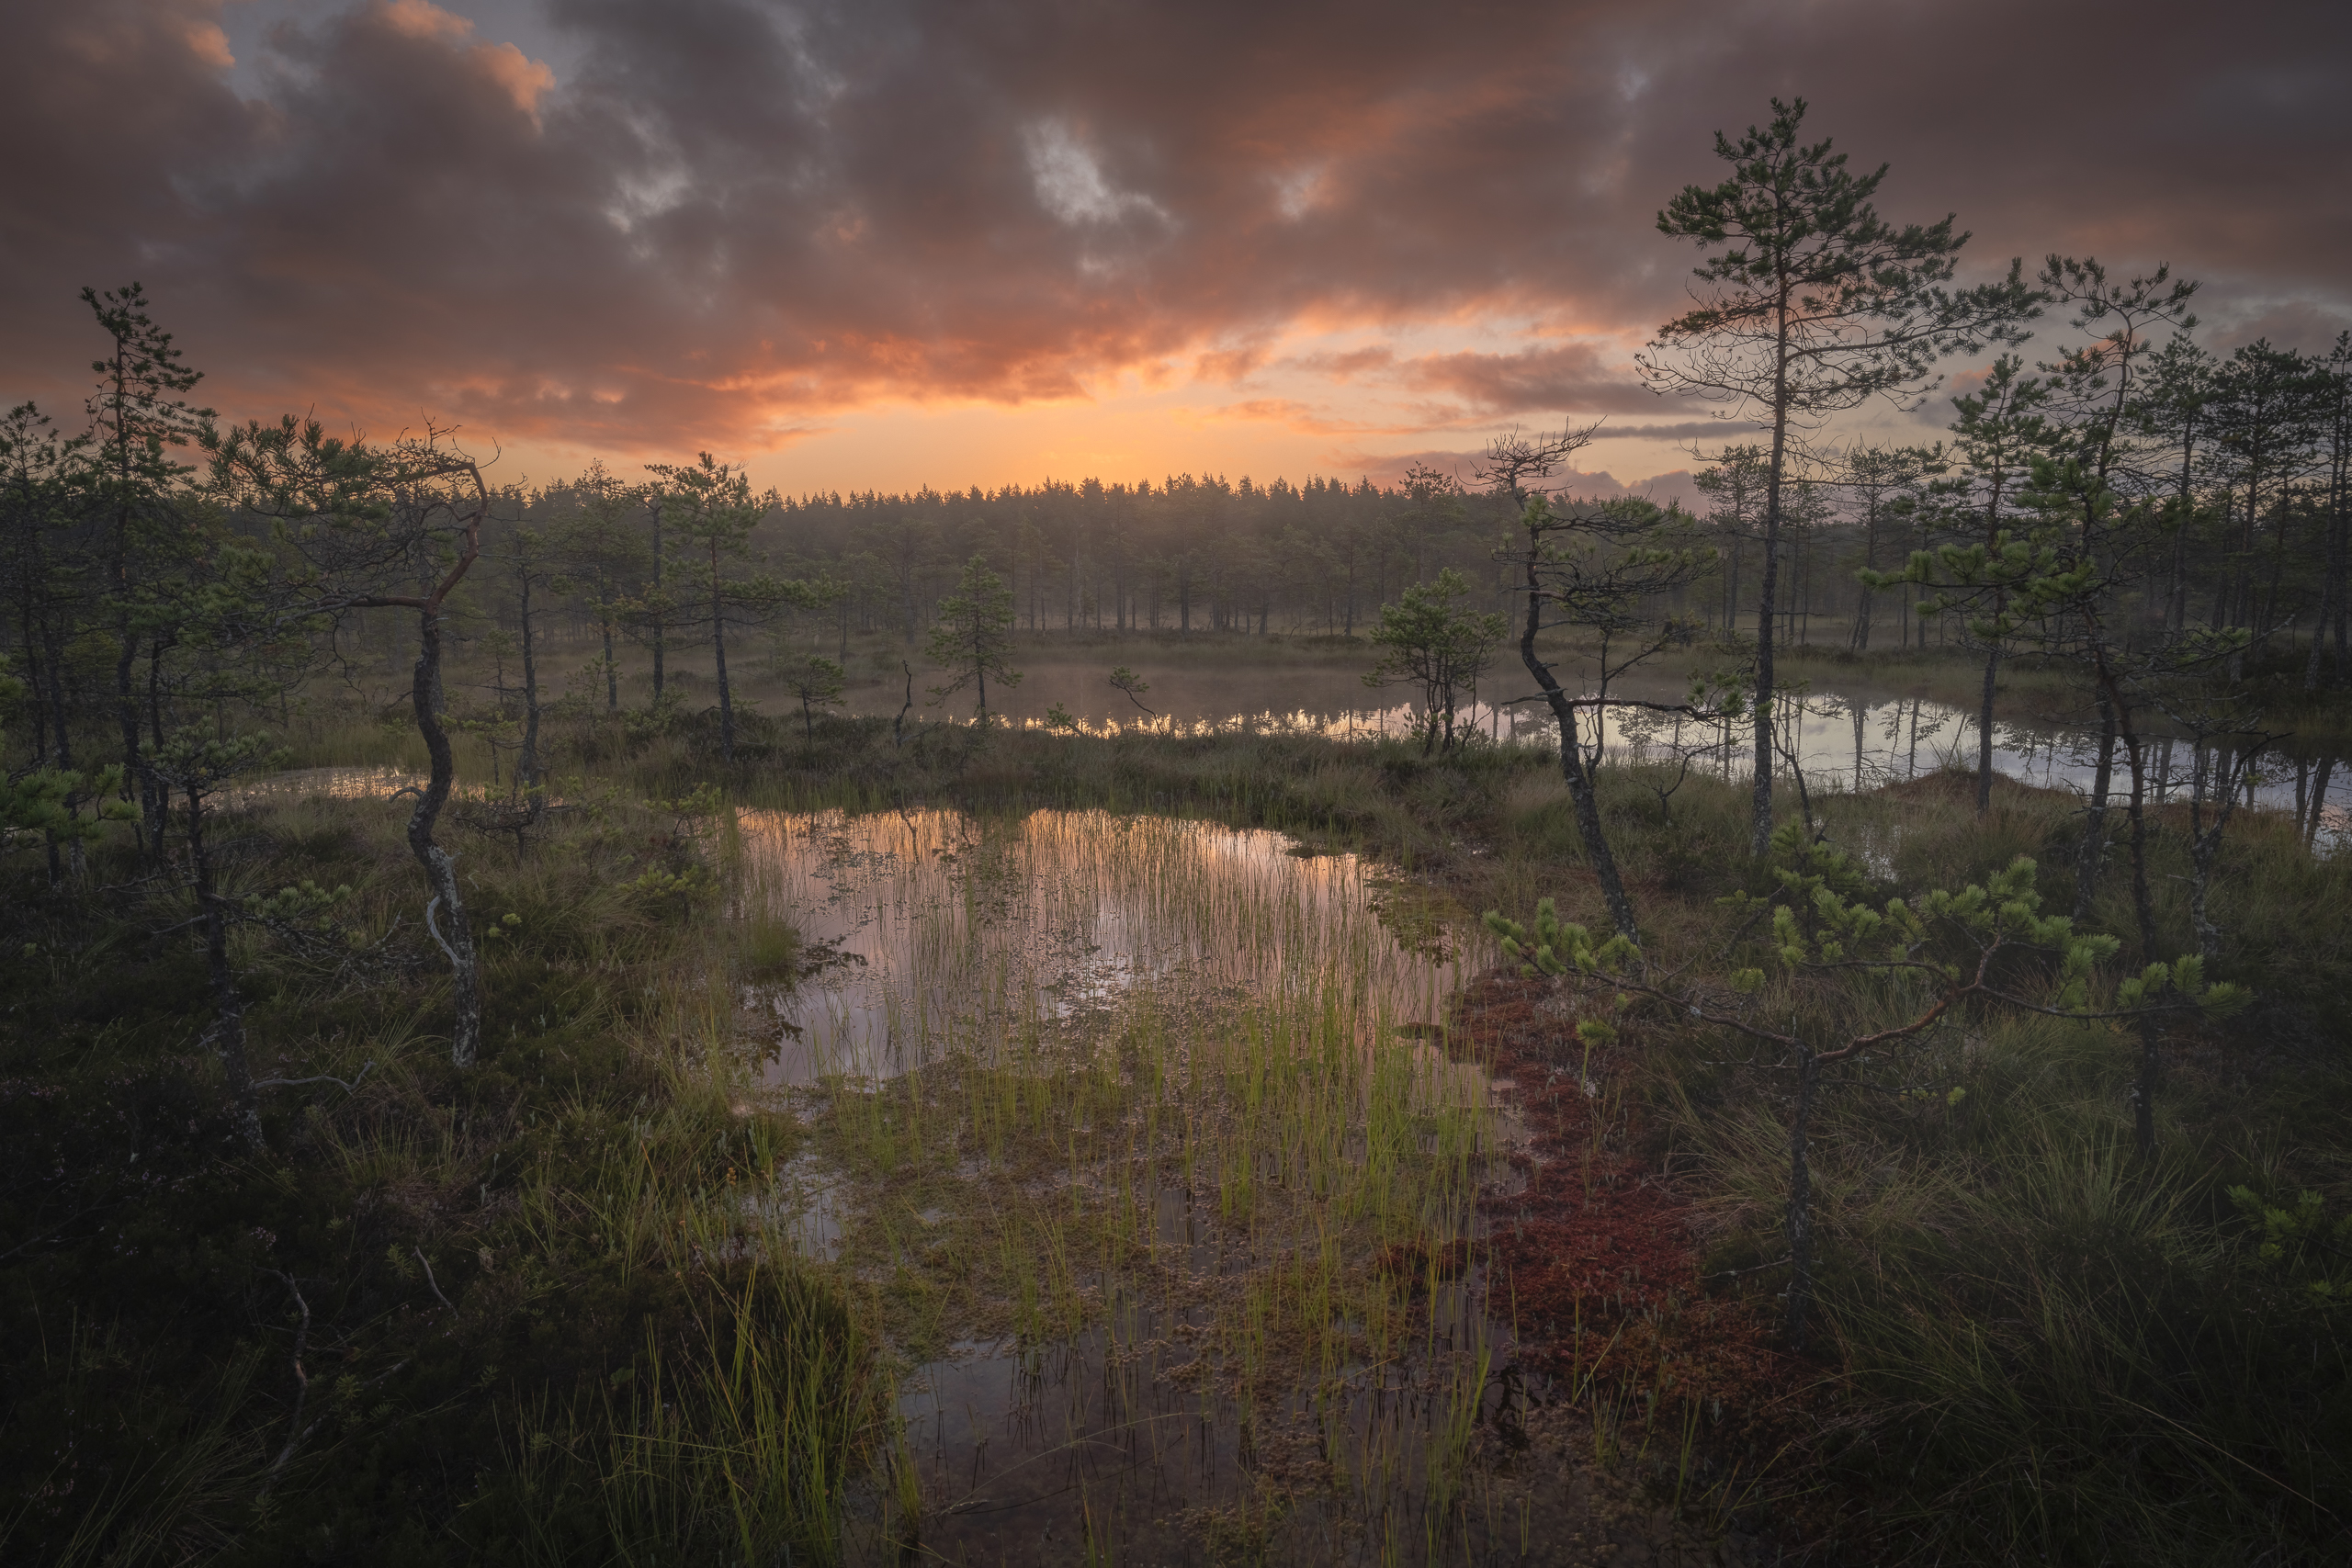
<point>735,1445</point>
<point>1234,1147</point>
<point>1250,1217</point>
<point>498,1268</point>
<point>2046,1349</point>
<point>183,1471</point>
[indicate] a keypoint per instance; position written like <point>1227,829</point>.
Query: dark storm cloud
<point>1573,377</point>
<point>725,221</point>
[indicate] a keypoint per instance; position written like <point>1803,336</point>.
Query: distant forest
<point>2234,468</point>
<point>2251,450</point>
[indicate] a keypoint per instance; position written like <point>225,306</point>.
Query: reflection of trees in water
<point>959,929</point>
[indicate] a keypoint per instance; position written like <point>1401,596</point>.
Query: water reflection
<point>342,783</point>
<point>929,927</point>
<point>1842,743</point>
<point>1849,743</point>
<point>1125,1443</point>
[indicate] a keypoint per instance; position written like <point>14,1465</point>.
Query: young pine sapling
<point>1852,980</point>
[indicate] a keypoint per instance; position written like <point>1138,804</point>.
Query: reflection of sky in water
<point>1843,743</point>
<point>334,784</point>
<point>1857,744</point>
<point>1847,743</point>
<point>945,927</point>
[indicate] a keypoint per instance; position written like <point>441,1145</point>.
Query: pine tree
<point>138,411</point>
<point>1429,638</point>
<point>604,558</point>
<point>1811,305</point>
<point>973,639</point>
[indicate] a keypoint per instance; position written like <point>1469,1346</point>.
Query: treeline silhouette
<point>2236,463</point>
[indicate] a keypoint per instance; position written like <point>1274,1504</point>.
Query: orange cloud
<point>523,79</point>
<point>748,223</point>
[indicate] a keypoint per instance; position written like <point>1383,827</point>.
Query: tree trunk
<point>2339,545</point>
<point>1860,717</point>
<point>2143,1089</point>
<point>659,629</point>
<point>2205,844</point>
<point>527,767</point>
<point>228,1003</point>
<point>2240,590</point>
<point>160,788</point>
<point>1984,733</point>
<point>612,671</point>
<point>2269,620</point>
<point>54,645</point>
<point>2343,598</point>
<point>136,773</point>
<point>1861,641</point>
<point>440,866</point>
<point>1730,608</point>
<point>718,661</point>
<point>1572,768</point>
<point>2094,845</point>
<point>1768,606</point>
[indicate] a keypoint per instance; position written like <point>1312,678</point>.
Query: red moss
<point>1595,1258</point>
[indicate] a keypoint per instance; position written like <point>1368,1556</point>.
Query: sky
<point>881,246</point>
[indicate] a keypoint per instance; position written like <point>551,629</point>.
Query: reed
<point>1235,1199</point>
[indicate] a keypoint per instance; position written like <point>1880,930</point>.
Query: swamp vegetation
<point>452,1114</point>
<point>1267,1272</point>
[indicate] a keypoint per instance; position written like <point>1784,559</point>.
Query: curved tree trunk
<point>440,866</point>
<point>1572,768</point>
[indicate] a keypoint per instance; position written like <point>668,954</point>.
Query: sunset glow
<point>886,247</point>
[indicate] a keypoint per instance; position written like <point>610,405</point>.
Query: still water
<point>931,927</point>
<point>1191,1085</point>
<point>1843,741</point>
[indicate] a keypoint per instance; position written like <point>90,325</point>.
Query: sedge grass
<point>1246,1070</point>
<point>2016,1308</point>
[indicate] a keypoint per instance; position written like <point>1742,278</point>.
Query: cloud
<point>1344,366</point>
<point>1569,377</point>
<point>1070,181</point>
<point>522,78</point>
<point>1230,366</point>
<point>1681,430</point>
<point>1459,390</point>
<point>1389,468</point>
<point>722,222</point>
<point>423,19</point>
<point>1305,418</point>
